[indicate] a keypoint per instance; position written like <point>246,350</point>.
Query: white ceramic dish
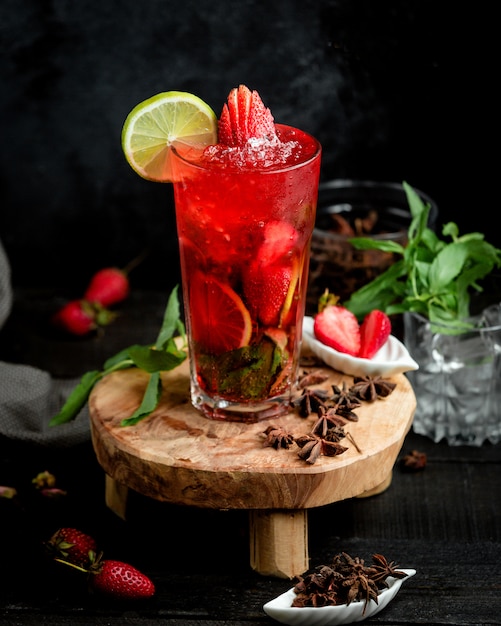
<point>393,358</point>
<point>281,610</point>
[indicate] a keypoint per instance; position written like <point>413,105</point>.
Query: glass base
<point>250,413</point>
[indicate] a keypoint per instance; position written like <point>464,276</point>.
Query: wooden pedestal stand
<point>178,456</point>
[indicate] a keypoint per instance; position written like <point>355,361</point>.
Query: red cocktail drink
<point>244,220</point>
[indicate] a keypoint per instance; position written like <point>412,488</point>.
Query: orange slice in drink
<point>220,321</point>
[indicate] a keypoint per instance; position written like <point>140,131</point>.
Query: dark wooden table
<point>444,521</point>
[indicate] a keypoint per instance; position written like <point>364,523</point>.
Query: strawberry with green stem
<point>119,580</point>
<point>111,285</point>
<point>72,546</point>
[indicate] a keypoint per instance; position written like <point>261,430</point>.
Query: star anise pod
<point>320,588</point>
<point>415,461</point>
<point>384,568</point>
<point>310,401</point>
<point>327,418</point>
<point>307,379</point>
<point>370,388</point>
<point>360,587</point>
<point>345,580</point>
<point>358,582</point>
<point>335,433</point>
<point>277,437</point>
<point>345,397</point>
<point>313,446</point>
<point>346,413</point>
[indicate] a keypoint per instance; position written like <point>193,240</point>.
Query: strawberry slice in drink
<point>270,280</point>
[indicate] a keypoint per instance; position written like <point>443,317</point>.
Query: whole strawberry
<point>79,317</point>
<point>120,580</point>
<point>108,286</point>
<point>76,317</point>
<point>72,546</point>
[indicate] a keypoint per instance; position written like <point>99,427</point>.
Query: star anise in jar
<point>310,401</point>
<point>370,388</point>
<point>277,437</point>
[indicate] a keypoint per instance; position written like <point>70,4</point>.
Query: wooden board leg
<point>116,496</point>
<point>279,542</point>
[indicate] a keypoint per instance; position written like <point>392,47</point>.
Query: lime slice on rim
<point>154,125</point>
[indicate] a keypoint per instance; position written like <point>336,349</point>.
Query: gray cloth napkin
<point>30,397</point>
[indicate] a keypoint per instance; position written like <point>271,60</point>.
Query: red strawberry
<point>266,289</point>
<point>338,328</point>
<point>243,117</point>
<point>77,317</point>
<point>279,238</point>
<point>73,546</point>
<point>273,274</point>
<point>374,332</point>
<point>120,580</point>
<point>108,286</point>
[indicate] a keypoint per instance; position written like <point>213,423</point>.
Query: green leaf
<point>366,243</point>
<point>450,230</point>
<point>446,266</point>
<point>77,399</point>
<point>151,360</point>
<point>119,359</point>
<point>378,294</point>
<point>149,403</point>
<point>171,321</point>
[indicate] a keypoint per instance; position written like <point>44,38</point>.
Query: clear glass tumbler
<point>458,383</point>
<point>244,237</point>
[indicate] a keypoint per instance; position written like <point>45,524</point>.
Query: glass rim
<point>444,325</point>
<point>197,150</point>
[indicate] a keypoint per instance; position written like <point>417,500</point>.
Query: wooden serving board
<point>179,456</point>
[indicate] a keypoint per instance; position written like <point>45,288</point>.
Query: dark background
<point>394,90</point>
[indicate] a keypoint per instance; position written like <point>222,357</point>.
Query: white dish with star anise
<point>391,359</point>
<point>281,608</point>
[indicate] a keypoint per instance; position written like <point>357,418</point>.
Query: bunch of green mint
<point>164,355</point>
<point>434,277</point>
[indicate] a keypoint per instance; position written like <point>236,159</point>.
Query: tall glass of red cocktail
<point>245,216</point>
